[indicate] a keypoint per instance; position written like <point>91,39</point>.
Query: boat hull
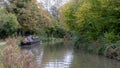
<point>30,43</point>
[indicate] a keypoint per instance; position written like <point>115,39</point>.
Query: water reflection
<point>86,60</point>
<point>61,56</point>
<point>56,56</point>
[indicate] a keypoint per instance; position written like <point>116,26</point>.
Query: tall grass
<point>12,57</point>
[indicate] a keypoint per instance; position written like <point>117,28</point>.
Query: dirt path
<point>2,43</point>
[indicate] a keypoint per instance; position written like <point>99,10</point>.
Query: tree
<point>9,24</point>
<point>27,13</point>
<point>93,18</point>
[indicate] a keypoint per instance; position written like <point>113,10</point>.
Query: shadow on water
<point>59,55</point>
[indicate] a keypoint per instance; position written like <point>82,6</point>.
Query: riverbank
<point>2,47</point>
<point>51,39</point>
<point>110,50</point>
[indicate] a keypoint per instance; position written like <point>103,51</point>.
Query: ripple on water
<point>55,56</point>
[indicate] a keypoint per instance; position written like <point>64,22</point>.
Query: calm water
<point>64,56</point>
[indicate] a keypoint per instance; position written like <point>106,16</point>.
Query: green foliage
<point>93,18</point>
<point>101,49</point>
<point>9,24</point>
<point>30,16</point>
<point>110,37</point>
<point>56,32</point>
<point>26,13</point>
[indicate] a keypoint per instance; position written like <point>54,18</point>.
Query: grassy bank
<point>110,50</point>
<point>2,47</point>
<point>51,39</point>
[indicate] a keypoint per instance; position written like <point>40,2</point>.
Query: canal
<point>60,55</point>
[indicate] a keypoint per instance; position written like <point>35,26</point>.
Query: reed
<point>12,57</point>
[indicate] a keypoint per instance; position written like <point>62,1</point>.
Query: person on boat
<point>25,40</point>
<point>30,38</point>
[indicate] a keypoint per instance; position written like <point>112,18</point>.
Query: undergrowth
<point>11,57</point>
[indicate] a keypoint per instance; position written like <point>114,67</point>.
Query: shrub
<point>110,37</point>
<point>13,58</point>
<point>8,24</point>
